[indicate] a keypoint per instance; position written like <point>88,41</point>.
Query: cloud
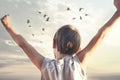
<point>6,61</point>
<point>7,49</point>
<point>28,2</point>
<point>10,43</point>
<point>3,33</point>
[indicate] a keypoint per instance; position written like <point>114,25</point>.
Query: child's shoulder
<point>65,60</point>
<point>70,64</point>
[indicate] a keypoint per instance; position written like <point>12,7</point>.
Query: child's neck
<point>60,56</point>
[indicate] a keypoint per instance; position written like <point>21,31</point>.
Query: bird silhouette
<point>80,17</point>
<point>33,35</point>
<point>43,29</point>
<point>28,21</point>
<point>68,9</point>
<point>86,14</point>
<point>47,19</point>
<point>80,9</point>
<point>39,12</point>
<point>44,15</point>
<point>74,18</point>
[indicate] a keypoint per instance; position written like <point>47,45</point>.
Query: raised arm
<point>97,39</point>
<point>34,56</point>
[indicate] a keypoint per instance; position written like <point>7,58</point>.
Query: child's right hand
<point>6,20</point>
<point>117,4</point>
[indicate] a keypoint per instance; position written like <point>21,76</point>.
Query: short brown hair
<point>67,39</point>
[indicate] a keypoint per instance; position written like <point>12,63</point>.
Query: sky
<point>104,64</point>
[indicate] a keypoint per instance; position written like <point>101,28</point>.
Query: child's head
<point>67,40</point>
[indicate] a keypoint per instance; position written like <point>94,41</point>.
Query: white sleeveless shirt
<point>67,68</point>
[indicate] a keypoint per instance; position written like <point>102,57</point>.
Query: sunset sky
<point>13,62</point>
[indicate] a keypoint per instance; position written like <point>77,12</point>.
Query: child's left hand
<point>6,21</point>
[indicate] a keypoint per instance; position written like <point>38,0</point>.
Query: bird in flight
<point>74,18</point>
<point>80,9</point>
<point>44,15</point>
<point>43,29</point>
<point>28,21</point>
<point>47,19</point>
<point>33,35</point>
<point>80,17</point>
<point>86,14</point>
<point>68,8</point>
<point>39,12</point>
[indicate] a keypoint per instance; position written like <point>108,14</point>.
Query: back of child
<point>67,68</point>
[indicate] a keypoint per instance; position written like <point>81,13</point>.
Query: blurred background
<point>38,20</point>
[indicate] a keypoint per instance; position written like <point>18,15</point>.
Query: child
<point>70,62</point>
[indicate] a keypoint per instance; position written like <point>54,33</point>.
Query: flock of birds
<point>80,9</point>
<point>47,18</point>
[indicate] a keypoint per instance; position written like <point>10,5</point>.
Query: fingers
<point>117,4</point>
<point>5,20</point>
<point>5,16</point>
